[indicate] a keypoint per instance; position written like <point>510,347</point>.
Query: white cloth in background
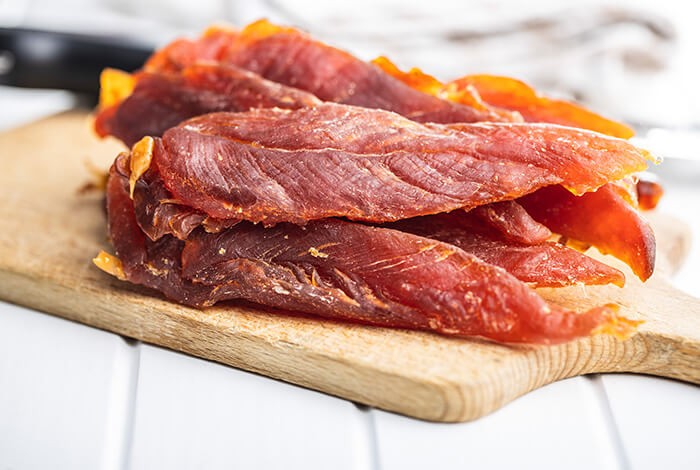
<point>633,60</point>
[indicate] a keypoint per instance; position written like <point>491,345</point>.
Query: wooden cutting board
<point>49,234</point>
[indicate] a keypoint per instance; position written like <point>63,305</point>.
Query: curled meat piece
<point>181,53</point>
<point>507,236</point>
<point>541,264</point>
<point>273,165</point>
<point>512,94</point>
<point>603,218</point>
<point>151,103</point>
<point>649,193</point>
<point>213,206</point>
<point>293,58</point>
<point>343,270</point>
<point>511,221</point>
<point>421,81</point>
<point>503,93</point>
<point>159,213</point>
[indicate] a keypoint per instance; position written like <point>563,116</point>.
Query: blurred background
<point>633,60</point>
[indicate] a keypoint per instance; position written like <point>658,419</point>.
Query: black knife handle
<point>50,59</point>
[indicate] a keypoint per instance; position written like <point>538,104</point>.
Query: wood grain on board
<point>49,234</point>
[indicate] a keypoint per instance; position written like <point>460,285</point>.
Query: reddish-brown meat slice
<point>290,57</point>
<point>160,101</point>
<point>489,91</point>
<point>497,233</point>
<point>649,193</point>
<point>343,270</point>
<point>378,276</point>
<point>273,165</point>
<point>466,95</point>
<point>515,95</point>
<point>513,243</point>
<point>512,94</point>
<point>512,222</point>
<point>140,260</point>
<point>602,218</point>
<point>182,53</point>
<point>159,214</point>
<point>546,264</point>
<point>543,264</point>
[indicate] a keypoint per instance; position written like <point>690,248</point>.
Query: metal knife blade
<point>35,58</point>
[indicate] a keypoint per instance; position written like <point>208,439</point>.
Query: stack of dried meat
<point>270,167</point>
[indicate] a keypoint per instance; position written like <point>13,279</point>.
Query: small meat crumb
<point>155,270</point>
<point>110,264</point>
<point>313,251</point>
<point>280,290</point>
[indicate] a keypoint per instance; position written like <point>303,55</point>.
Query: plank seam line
<point>623,462</point>
<point>370,434</point>
<point>372,438</point>
<point>122,403</point>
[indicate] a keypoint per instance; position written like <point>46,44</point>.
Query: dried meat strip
<point>649,193</point>
<point>502,234</point>
<point>159,213</point>
<point>543,264</point>
<point>504,93</point>
<point>343,270</point>
<point>418,80</point>
<point>512,94</point>
<point>138,259</point>
<point>511,221</point>
<point>184,52</point>
<point>273,165</point>
<point>293,58</point>
<point>603,218</point>
<point>622,232</point>
<point>506,236</point>
<point>160,101</point>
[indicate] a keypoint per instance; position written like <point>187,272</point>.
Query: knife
<point>33,58</point>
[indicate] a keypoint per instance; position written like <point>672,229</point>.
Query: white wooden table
<point>74,397</point>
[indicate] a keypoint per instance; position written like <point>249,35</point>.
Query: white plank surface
<point>657,420</point>
<point>191,413</point>
<point>59,392</point>
<point>682,199</point>
<point>68,394</point>
<point>562,425</point>
<point>22,106</point>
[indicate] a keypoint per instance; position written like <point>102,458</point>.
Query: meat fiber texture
<point>150,103</point>
<point>192,77</point>
<point>341,270</point>
<point>317,195</point>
